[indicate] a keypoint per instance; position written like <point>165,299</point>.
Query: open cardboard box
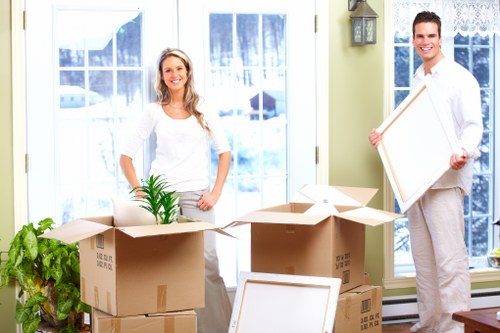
<point>140,269</point>
<point>320,233</point>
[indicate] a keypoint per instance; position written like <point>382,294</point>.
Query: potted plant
<point>160,202</point>
<point>48,274</point>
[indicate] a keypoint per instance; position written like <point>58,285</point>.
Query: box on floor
<point>320,233</point>
<point>359,310</point>
<point>169,322</point>
<point>140,269</point>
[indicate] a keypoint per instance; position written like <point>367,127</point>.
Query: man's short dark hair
<point>427,16</point>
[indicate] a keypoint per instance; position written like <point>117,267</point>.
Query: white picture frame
<point>281,303</point>
<point>418,140</point>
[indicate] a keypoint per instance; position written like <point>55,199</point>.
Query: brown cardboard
<point>168,322</point>
<point>324,236</point>
<point>141,269</point>
<point>359,310</point>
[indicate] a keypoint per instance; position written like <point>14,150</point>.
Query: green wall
<point>7,295</point>
<point>356,106</point>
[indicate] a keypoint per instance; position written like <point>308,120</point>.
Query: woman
<point>182,156</point>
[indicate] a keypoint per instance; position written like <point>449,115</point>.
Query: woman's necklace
<point>176,107</point>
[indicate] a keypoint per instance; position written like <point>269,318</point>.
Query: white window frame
<point>390,281</point>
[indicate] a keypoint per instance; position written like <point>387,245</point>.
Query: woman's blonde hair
<point>191,97</point>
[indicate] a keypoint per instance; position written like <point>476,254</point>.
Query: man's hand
<point>374,137</point>
<point>458,161</point>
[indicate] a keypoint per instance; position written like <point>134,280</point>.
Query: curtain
<point>467,17</point>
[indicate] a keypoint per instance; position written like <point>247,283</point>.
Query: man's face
<point>427,41</point>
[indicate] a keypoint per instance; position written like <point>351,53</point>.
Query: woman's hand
<point>208,200</point>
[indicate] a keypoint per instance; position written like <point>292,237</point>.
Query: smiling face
<point>174,73</point>
<point>427,42</point>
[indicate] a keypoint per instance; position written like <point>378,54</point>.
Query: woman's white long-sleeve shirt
<point>183,146</point>
<point>462,97</point>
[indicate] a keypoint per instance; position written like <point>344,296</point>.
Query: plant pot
<point>48,311</point>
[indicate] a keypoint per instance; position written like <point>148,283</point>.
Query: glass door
<point>255,64</point>
<point>88,75</point>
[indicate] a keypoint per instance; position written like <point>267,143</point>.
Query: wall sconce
<point>363,23</point>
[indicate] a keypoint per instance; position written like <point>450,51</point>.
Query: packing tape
<point>169,324</point>
<point>161,298</point>
<point>109,303</point>
<point>115,325</point>
<point>374,298</point>
<point>96,297</point>
<point>347,309</point>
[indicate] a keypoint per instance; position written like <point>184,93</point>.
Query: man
<point>436,220</point>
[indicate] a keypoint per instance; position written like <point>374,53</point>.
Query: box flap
<point>368,216</point>
<point>173,313</point>
<point>279,218</point>
<point>336,195</point>
<point>76,230</point>
<point>363,289</point>
<point>322,209</point>
<point>170,229</point>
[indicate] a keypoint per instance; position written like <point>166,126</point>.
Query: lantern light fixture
<point>363,23</point>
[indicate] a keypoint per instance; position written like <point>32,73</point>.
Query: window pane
<point>400,95</point>
<point>102,57</point>
<point>273,27</point>
<point>401,68</point>
<point>274,154</point>
<point>221,39</point>
<point>130,87</point>
<point>401,37</point>
<point>462,56</point>
<point>101,82</point>
<point>480,228</point>
<point>129,42</point>
<point>461,40</point>
<point>71,58</point>
<point>481,66</point>
<point>247,30</point>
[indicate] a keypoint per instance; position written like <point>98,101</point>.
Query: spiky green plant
<point>156,199</point>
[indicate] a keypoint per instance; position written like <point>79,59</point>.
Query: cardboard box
<point>169,322</point>
<point>140,269</point>
<point>359,310</point>
<point>324,235</point>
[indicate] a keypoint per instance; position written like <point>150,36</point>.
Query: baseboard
<point>398,308</point>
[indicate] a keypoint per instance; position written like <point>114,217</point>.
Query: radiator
<point>404,308</point>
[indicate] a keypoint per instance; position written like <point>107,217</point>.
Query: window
<point>476,50</point>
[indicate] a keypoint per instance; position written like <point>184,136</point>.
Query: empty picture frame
<point>281,303</point>
<point>418,140</point>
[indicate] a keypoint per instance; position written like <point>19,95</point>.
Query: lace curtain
<point>467,17</point>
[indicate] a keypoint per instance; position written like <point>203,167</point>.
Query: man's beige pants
<point>436,223</point>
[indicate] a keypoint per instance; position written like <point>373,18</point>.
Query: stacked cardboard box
<point>321,232</point>
<point>360,310</point>
<point>170,322</point>
<point>132,271</point>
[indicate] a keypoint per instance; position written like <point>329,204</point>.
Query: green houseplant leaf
<point>48,274</point>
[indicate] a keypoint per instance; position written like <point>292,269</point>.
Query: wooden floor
<point>396,328</point>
